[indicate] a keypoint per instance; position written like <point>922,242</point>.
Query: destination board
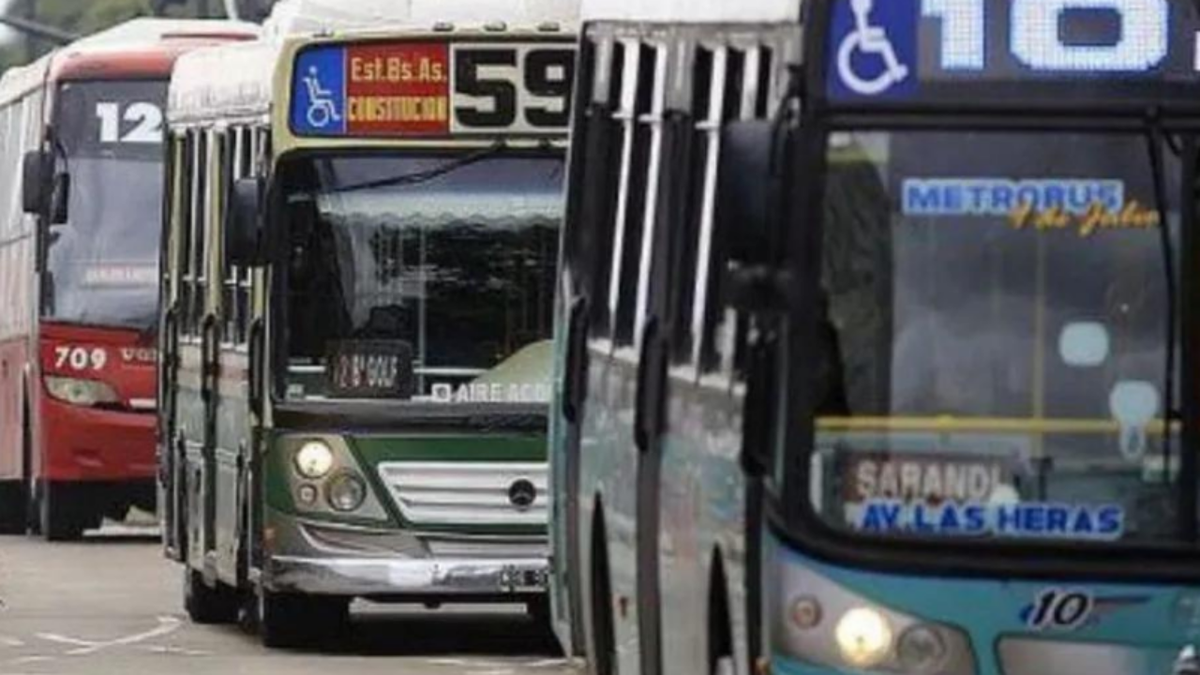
<point>431,88</point>
<point>981,51</point>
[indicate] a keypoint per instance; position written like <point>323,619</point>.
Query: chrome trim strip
<point>363,577</point>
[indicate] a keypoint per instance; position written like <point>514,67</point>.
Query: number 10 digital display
<point>1112,36</point>
<point>896,49</point>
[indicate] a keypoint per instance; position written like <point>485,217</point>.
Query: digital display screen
<point>892,51</point>
<point>431,88</point>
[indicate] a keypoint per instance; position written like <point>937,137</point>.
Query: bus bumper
<point>86,444</point>
<point>323,559</point>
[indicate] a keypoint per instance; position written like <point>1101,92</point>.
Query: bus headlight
<point>826,623</point>
<point>86,393</point>
<point>864,637</point>
<point>345,492</point>
<point>921,649</point>
<point>314,460</point>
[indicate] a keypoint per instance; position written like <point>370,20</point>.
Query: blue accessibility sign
<point>872,49</point>
<point>319,92</point>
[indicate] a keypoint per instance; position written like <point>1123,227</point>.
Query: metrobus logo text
<point>1000,197</point>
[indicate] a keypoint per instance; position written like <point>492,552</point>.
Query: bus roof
<point>692,11</point>
<point>237,80</point>
<point>140,48</point>
<point>291,17</point>
<point>231,81</point>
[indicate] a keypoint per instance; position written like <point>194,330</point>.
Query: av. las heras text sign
<point>429,88</point>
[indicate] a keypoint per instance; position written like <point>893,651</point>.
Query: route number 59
<point>512,87</point>
<point>1141,43</point>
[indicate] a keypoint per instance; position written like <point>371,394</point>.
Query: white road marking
<point>166,626</point>
<point>9,641</point>
<point>51,637</point>
<point>32,659</point>
<point>174,651</point>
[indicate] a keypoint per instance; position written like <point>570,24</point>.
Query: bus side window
<point>175,204</point>
<point>713,326</point>
<point>226,282</point>
<point>707,85</point>
<point>591,242</point>
<point>187,233</point>
<point>636,99</point>
<point>239,278</point>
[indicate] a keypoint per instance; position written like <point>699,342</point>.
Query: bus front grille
<point>468,493</point>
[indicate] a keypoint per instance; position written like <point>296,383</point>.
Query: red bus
<point>80,207</point>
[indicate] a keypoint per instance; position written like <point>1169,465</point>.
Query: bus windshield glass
<point>102,264</point>
<point>426,277</point>
<point>993,324</point>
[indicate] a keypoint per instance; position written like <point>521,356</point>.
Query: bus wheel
<point>604,653</point>
<point>539,614</point>
<point>291,620</point>
<point>207,605</point>
<point>56,518</point>
<point>12,507</point>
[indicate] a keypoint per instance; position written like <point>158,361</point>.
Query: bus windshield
<point>424,277</point>
<point>102,264</point>
<point>993,325</point>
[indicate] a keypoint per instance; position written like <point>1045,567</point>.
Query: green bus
<point>359,260</point>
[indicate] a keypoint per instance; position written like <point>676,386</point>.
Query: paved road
<point>111,605</point>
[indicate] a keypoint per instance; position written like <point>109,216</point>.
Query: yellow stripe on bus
<point>948,423</point>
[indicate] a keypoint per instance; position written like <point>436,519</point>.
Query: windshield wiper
<point>1156,138</point>
<point>418,177</point>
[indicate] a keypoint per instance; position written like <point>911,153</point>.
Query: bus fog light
<point>863,637</point>
<point>806,612</point>
<point>346,492</point>
<point>307,494</point>
<point>921,649</point>
<point>314,459</point>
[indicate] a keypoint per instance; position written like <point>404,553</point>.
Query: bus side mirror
<point>60,199</point>
<point>242,221</point>
<point>747,196</point>
<point>36,173</point>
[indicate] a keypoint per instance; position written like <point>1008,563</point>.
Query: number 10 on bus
<point>1139,44</point>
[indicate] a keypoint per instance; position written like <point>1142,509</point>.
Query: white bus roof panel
<point>229,81</point>
<point>295,17</point>
<point>147,31</point>
<point>692,11</point>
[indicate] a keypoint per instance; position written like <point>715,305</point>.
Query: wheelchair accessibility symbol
<point>321,108</point>
<point>868,45</point>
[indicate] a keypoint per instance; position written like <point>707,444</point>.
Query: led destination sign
<point>431,88</point>
<point>895,51</point>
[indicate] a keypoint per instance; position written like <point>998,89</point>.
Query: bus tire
<point>542,619</point>
<point>207,605</point>
<point>12,507</point>
<point>56,518</point>
<point>293,621</point>
<point>720,633</point>
<point>603,643</point>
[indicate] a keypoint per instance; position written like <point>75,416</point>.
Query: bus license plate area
<point>524,578</point>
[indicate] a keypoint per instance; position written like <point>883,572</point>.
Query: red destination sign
<point>401,88</point>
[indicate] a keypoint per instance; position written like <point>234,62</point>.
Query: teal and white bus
<point>649,518</point>
<point>955,262</point>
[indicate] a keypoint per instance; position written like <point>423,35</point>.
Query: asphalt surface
<point>112,604</point>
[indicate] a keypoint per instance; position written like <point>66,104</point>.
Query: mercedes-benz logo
<point>522,494</point>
